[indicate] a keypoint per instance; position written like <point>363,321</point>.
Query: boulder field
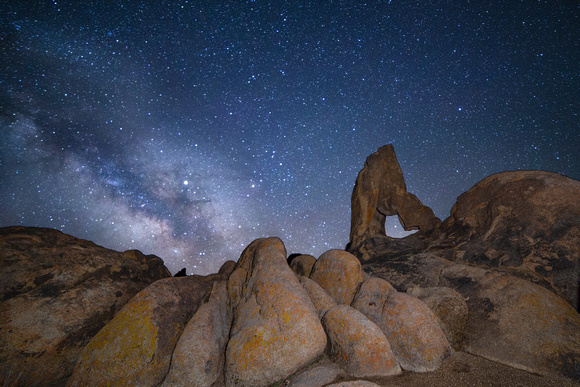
<point>263,324</point>
<point>498,279</point>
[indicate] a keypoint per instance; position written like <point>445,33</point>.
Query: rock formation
<point>56,293</point>
<point>510,248</point>
<point>380,191</point>
<point>497,279</point>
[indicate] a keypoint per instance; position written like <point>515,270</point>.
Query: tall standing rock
<point>276,329</point>
<point>135,347</point>
<point>56,293</point>
<point>380,191</point>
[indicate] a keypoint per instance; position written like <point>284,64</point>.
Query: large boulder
<point>357,344</point>
<point>412,330</point>
<point>526,223</point>
<point>198,357</point>
<point>56,293</point>
<point>380,191</point>
<point>276,329</point>
<point>135,347</point>
<point>339,273</point>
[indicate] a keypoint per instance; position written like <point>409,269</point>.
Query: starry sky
<point>187,129</point>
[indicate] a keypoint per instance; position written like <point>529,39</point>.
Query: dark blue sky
<point>186,129</point>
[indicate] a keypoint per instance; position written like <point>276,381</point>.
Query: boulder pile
<point>263,324</point>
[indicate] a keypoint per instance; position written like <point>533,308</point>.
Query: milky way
<point>187,129</point>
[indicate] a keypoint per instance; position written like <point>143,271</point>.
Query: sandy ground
<point>462,369</point>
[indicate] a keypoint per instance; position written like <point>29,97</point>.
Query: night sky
<point>187,129</point>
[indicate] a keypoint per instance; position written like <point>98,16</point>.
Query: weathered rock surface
<point>320,299</point>
<point>516,322</point>
<point>380,191</point>
<point>56,293</point>
<point>450,309</point>
<point>524,222</point>
<point>276,329</point>
<point>412,330</point>
<point>339,273</point>
<point>302,265</point>
<point>135,347</point>
<point>357,345</point>
<point>198,358</point>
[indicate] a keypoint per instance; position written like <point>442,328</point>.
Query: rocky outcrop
<point>526,223</point>
<point>339,273</point>
<point>135,348</point>
<point>276,329</point>
<point>357,344</point>
<point>510,249</point>
<point>380,191</point>
<point>56,293</point>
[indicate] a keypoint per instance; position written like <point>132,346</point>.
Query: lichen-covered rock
<point>198,357</point>
<point>339,273</point>
<point>135,347</point>
<point>412,330</point>
<point>320,299</point>
<point>56,293</point>
<point>357,344</point>
<point>450,309</point>
<point>302,265</point>
<point>276,329</point>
